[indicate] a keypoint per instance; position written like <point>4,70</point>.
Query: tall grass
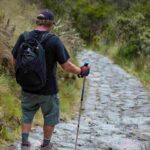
<point>10,111</point>
<point>69,96</point>
<point>21,15</point>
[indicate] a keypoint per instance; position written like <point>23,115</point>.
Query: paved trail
<point>116,112</point>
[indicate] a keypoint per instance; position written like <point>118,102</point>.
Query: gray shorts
<point>49,105</point>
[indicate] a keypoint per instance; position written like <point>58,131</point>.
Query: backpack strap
<point>45,36</point>
<point>26,35</point>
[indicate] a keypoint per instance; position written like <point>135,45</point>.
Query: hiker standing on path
<point>46,97</point>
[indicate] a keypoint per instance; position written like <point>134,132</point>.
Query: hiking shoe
<point>25,146</point>
<point>48,147</point>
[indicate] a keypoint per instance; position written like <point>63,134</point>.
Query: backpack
<point>30,66</point>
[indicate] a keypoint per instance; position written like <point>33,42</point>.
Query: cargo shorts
<point>49,105</point>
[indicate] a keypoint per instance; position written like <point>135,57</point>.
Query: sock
<point>25,137</point>
<point>46,141</point>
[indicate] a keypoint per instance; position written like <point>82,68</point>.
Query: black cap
<point>46,15</point>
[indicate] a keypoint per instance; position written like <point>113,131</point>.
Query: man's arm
<point>70,67</point>
<point>62,57</point>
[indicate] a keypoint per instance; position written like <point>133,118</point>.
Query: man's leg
<point>29,106</point>
<point>50,110</point>
<point>48,131</point>
<point>26,128</point>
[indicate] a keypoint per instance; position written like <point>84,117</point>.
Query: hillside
<point>11,25</point>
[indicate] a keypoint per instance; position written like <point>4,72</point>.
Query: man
<point>46,98</point>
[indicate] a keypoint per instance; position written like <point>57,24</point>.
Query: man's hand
<point>85,70</point>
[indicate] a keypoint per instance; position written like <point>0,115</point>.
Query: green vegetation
<point>13,19</point>
<point>90,20</point>
<point>9,109</point>
<point>69,98</point>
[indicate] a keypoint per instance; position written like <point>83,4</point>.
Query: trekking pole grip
<point>83,86</point>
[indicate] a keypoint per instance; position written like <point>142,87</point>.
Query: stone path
<point>116,112</point>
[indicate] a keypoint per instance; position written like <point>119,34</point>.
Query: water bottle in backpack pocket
<point>31,63</point>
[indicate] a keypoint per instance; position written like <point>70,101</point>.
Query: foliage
<point>58,6</point>
<point>91,19</point>
<point>9,114</point>
<point>69,97</point>
<point>14,18</point>
<point>135,34</point>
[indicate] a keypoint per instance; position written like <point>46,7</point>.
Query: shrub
<point>91,19</point>
<point>134,33</point>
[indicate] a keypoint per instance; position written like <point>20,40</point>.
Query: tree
<point>90,17</point>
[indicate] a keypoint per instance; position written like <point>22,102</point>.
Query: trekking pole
<point>82,95</point>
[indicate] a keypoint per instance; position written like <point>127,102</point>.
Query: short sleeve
<point>62,54</point>
<point>17,45</point>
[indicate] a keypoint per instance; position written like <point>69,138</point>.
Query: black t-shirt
<point>54,52</point>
